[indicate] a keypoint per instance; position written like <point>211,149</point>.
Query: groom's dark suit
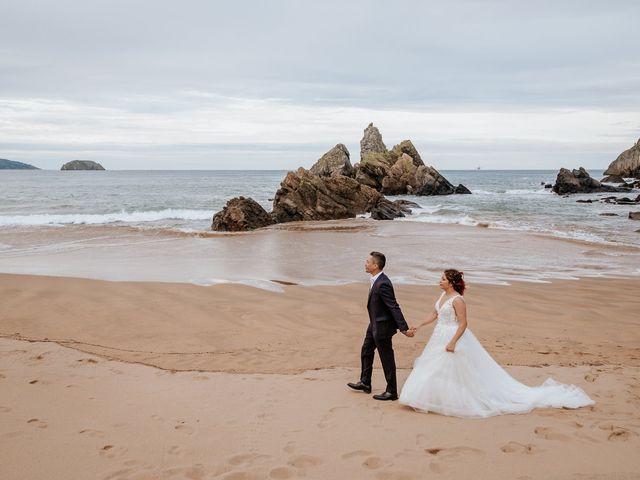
<point>385,319</point>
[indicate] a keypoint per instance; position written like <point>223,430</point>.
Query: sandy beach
<point>135,380</point>
<point>193,199</point>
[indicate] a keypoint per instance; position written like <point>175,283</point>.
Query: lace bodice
<point>446,312</point>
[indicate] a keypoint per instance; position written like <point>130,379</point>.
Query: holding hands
<point>411,332</point>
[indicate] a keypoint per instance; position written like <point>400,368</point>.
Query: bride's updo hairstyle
<point>456,279</point>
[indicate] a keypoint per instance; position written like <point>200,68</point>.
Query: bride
<point>455,375</point>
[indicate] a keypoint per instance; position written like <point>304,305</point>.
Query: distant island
<point>11,165</point>
<point>82,165</point>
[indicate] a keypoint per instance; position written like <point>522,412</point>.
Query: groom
<point>385,318</point>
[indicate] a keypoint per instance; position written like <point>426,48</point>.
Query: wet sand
<point>308,253</point>
<point>133,380</point>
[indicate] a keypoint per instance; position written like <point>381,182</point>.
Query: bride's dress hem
<point>469,383</point>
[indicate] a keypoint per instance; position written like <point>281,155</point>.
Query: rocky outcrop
<point>627,164</point>
<point>401,178</point>
<point>407,204</point>
<point>432,183</point>
<point>334,162</point>
<point>371,142</point>
<point>399,171</point>
<point>241,214</point>
<point>82,165</point>
<point>333,189</point>
<point>579,181</point>
<point>613,179</point>
<point>12,165</point>
<point>305,196</point>
<point>385,209</point>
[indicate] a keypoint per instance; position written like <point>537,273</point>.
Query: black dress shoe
<point>360,386</point>
<point>386,396</point>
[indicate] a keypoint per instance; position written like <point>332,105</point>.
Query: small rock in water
<point>634,215</point>
<point>241,214</point>
<point>613,179</point>
<point>609,214</point>
<point>387,210</point>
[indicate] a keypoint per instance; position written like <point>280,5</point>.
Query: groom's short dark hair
<point>379,259</point>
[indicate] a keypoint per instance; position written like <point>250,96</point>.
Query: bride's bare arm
<point>461,312</point>
<point>430,319</point>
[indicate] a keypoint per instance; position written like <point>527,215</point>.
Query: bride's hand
<point>451,347</point>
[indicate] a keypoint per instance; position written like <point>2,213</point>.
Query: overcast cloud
<point>274,84</point>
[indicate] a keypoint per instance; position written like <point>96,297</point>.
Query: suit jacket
<point>385,316</point>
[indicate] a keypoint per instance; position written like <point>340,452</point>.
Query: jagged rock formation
<point>241,214</point>
<point>334,189</point>
<point>334,162</point>
<point>371,142</point>
<point>579,181</point>
<point>627,164</point>
<point>613,179</point>
<point>305,196</point>
<point>387,210</point>
<point>399,171</point>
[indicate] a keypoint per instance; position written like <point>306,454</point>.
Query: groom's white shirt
<point>374,278</point>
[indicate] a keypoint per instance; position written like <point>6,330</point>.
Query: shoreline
<point>361,223</point>
<point>310,253</point>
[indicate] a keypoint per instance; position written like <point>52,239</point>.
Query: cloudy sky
<point>274,84</point>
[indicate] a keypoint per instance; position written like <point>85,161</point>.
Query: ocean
<point>155,226</point>
<point>186,201</point>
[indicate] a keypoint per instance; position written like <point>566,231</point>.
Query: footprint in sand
<point>616,433</point>
<point>245,458</point>
<point>38,423</point>
<point>33,382</point>
<point>87,360</point>
<point>621,435</point>
<point>177,450</point>
<point>290,447</point>
<point>591,377</point>
<point>281,473</point>
<point>184,428</point>
<point>356,453</point>
<point>451,452</point>
<point>549,434</point>
<point>91,433</point>
<point>304,461</point>
<point>324,422</point>
<point>110,451</point>
<point>4,409</point>
<point>372,463</point>
<point>515,447</point>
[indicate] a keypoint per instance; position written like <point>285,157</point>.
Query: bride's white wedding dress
<point>469,382</point>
